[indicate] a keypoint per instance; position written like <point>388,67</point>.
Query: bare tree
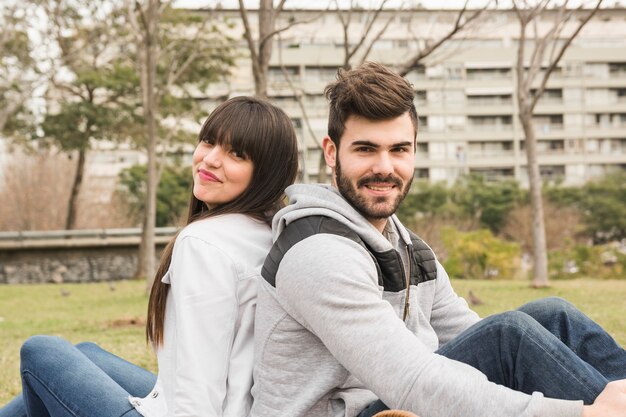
<point>144,20</point>
<point>364,41</point>
<point>355,50</point>
<point>533,72</point>
<point>464,20</point>
<point>261,48</point>
<point>28,202</point>
<point>174,51</point>
<point>87,105</point>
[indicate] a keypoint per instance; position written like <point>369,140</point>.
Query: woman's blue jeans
<point>547,345</point>
<point>60,379</point>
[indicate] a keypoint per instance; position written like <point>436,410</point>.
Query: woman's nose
<point>214,156</point>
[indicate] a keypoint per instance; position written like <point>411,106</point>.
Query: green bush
<point>602,202</point>
<point>488,202</point>
<point>485,204</point>
<point>606,261</point>
<point>173,192</point>
<point>480,255</point>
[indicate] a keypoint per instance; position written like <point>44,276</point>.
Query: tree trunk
<point>148,78</point>
<point>260,81</point>
<point>72,208</point>
<point>540,251</point>
<point>266,37</point>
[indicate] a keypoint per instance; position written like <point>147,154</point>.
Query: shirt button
<point>136,403</point>
<point>155,394</point>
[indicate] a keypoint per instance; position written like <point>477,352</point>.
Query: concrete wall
<point>70,260</point>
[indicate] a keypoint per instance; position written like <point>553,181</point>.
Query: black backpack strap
<point>388,263</point>
<point>296,232</point>
<point>423,262</point>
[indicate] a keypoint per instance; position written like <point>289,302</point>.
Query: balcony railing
<point>489,101</point>
<point>489,128</point>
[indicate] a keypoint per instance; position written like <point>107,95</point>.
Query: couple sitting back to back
<point>354,312</point>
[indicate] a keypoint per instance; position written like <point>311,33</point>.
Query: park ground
<point>112,315</point>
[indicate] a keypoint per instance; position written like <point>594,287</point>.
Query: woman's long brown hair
<point>262,133</point>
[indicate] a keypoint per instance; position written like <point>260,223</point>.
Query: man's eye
<point>363,149</point>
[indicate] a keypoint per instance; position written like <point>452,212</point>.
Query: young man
<point>354,308</point>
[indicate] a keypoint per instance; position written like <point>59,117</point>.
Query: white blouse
<point>205,362</point>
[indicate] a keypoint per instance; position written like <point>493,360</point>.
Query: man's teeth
<point>379,187</point>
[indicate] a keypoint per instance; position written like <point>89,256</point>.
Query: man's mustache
<point>391,179</point>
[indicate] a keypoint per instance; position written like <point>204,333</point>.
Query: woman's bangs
<point>233,130</point>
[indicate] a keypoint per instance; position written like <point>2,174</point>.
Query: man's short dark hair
<point>371,91</point>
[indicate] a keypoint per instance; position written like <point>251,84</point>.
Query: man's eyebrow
<point>376,145</point>
<point>364,143</point>
<point>407,143</point>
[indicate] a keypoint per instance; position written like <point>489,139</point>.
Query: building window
<point>421,174</point>
<point>617,69</point>
<point>490,100</point>
<point>548,122</point>
<point>276,74</point>
<point>490,123</point>
<point>324,74</point>
<point>549,96</point>
<point>487,73</point>
<point>552,172</point>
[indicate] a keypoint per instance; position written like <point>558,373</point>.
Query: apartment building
<point>465,92</point>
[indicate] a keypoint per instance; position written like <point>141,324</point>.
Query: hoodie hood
<point>324,200</point>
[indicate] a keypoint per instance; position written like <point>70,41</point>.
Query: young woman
<point>202,303</point>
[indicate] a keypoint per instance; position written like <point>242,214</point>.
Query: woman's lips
<point>208,176</point>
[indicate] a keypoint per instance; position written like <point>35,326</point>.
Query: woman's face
<point>219,174</point>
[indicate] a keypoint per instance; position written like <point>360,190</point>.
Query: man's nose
<point>383,164</point>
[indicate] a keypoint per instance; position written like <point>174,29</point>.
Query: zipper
<point>408,283</point>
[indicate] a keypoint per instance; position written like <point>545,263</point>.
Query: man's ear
<point>330,151</point>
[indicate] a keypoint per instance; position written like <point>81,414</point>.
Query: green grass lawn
<point>114,319</point>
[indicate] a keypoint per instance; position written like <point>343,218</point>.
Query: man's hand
<point>610,403</point>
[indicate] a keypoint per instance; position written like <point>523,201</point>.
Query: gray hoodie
<point>329,340</point>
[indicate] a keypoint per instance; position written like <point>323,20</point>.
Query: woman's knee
<point>38,345</point>
<point>87,347</point>
<point>40,350</point>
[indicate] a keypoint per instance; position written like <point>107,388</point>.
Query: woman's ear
<point>330,152</point>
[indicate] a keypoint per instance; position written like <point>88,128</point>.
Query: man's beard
<point>380,208</point>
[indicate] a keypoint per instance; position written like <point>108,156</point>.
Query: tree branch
<point>380,33</point>
<point>366,30</point>
<point>247,32</point>
<point>458,26</point>
<point>560,54</point>
<point>289,26</point>
<point>174,75</point>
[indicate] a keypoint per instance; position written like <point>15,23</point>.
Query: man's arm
<point>450,314</point>
<point>329,285</point>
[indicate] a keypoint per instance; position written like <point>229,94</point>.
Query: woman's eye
<point>237,155</point>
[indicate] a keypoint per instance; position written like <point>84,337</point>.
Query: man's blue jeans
<point>60,379</point>
<point>546,345</point>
